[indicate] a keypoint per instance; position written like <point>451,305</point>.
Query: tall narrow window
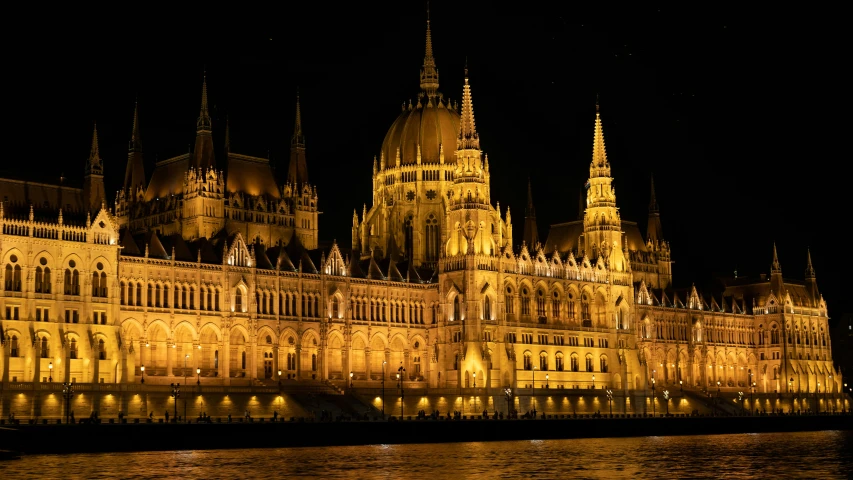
<point>456,308</point>
<point>44,349</point>
<point>243,360</point>
<point>409,234</point>
<point>102,351</point>
<point>72,353</point>
<point>238,300</point>
<point>487,308</point>
<point>432,239</point>
<point>14,347</point>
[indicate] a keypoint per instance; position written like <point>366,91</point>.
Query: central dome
<point>429,125</point>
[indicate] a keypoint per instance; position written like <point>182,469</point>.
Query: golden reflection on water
<point>824,455</point>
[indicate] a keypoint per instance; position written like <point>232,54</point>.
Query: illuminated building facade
<point>218,273</point>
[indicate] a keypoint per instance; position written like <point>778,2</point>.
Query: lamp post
<point>279,381</point>
<point>593,382</point>
<point>383,389</point>
<point>176,393</point>
<point>142,369</point>
<point>350,380</point>
<point>681,386</point>
<point>533,392</point>
<point>718,397</point>
<point>508,394</point>
<point>654,407</point>
<point>610,400</point>
<point>401,377</point>
<point>50,369</point>
<point>198,378</point>
<point>666,397</point>
<point>816,401</point>
<point>475,393</point>
<point>547,385</point>
<point>740,398</point>
<point>67,392</point>
<point>186,358</point>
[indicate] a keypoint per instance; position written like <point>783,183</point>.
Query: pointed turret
<point>654,230</point>
<point>134,173</point>
<point>599,153</point>
<point>298,171</point>
<point>203,157</point>
<point>468,138</point>
<point>809,268</point>
<point>811,281</point>
<point>93,179</point>
<point>777,283</point>
<point>602,222</point>
<point>775,268</point>
<point>531,232</point>
<point>429,74</point>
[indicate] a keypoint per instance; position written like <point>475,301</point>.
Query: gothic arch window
<point>487,308</point>
<point>42,283</point>
<point>335,307</point>
<point>102,351</point>
<point>585,316</point>
<point>408,229</point>
<point>543,361</point>
<point>570,304</point>
<point>525,301</point>
<point>603,363</point>
<point>555,305</point>
<point>14,347</point>
<point>528,361</point>
<point>456,308</point>
<point>432,238</point>
<point>13,275</point>
<point>558,362</point>
<point>238,300</point>
<point>540,304</point>
<point>589,365</point>
<point>72,279</point>
<point>72,353</point>
<point>574,362</point>
<point>45,352</point>
<point>510,302</point>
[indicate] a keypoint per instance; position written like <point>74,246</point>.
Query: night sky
<point>732,116</point>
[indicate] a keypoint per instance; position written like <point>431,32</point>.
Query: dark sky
<point>733,116</point>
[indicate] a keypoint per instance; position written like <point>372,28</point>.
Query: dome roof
<point>429,124</point>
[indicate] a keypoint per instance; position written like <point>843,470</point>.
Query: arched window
<point>589,365</point>
<point>238,301</point>
<point>335,307</point>
<point>409,234</point>
<point>540,304</point>
<point>73,350</point>
<point>585,317</point>
<point>456,308</point>
<point>9,276</point>
<point>603,364</point>
<point>14,347</point>
<point>44,350</point>
<point>543,361</point>
<point>558,362</point>
<point>525,302</point>
<point>432,239</point>
<point>528,361</point>
<point>555,305</point>
<point>102,351</point>
<point>487,308</point>
<point>510,302</point>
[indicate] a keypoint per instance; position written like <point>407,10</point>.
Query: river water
<point>824,455</point>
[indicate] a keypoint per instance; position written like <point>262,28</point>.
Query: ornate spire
<point>531,230</point>
<point>135,143</point>
<point>203,155</point>
<point>653,201</point>
<point>227,135</point>
<point>809,268</point>
<point>599,155</point>
<point>298,169</point>
<point>429,74</point>
<point>93,164</point>
<point>298,139</point>
<point>775,268</point>
<point>203,123</point>
<point>468,138</point>
<point>134,173</point>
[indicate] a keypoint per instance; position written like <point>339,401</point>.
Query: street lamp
<point>681,386</point>
<point>740,398</point>
<point>198,376</point>
<point>350,380</point>
<point>475,393</point>
<point>67,392</point>
<point>50,369</point>
<point>593,382</point>
<point>142,369</point>
<point>547,386</point>
<point>666,397</point>
<point>176,393</point>
<point>383,389</point>
<point>654,407</point>
<point>401,377</point>
<point>186,358</point>
<point>718,397</point>
<point>508,393</point>
<point>279,381</point>
<point>610,400</point>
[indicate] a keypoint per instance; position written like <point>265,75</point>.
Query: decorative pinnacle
<point>468,138</point>
<point>203,123</point>
<point>93,165</point>
<point>298,139</point>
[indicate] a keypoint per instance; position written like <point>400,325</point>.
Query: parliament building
<point>212,265</point>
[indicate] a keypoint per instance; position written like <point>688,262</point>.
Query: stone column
<point>170,353</point>
<point>275,362</point>
<point>367,358</point>
<point>299,360</point>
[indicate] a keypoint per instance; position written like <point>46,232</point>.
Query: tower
<point>303,194</point>
<point>297,173</point>
<point>602,222</point>
<point>654,231</point>
<point>811,281</point>
<point>93,180</point>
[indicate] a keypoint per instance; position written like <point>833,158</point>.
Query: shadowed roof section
<point>251,175</point>
<point>168,178</point>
